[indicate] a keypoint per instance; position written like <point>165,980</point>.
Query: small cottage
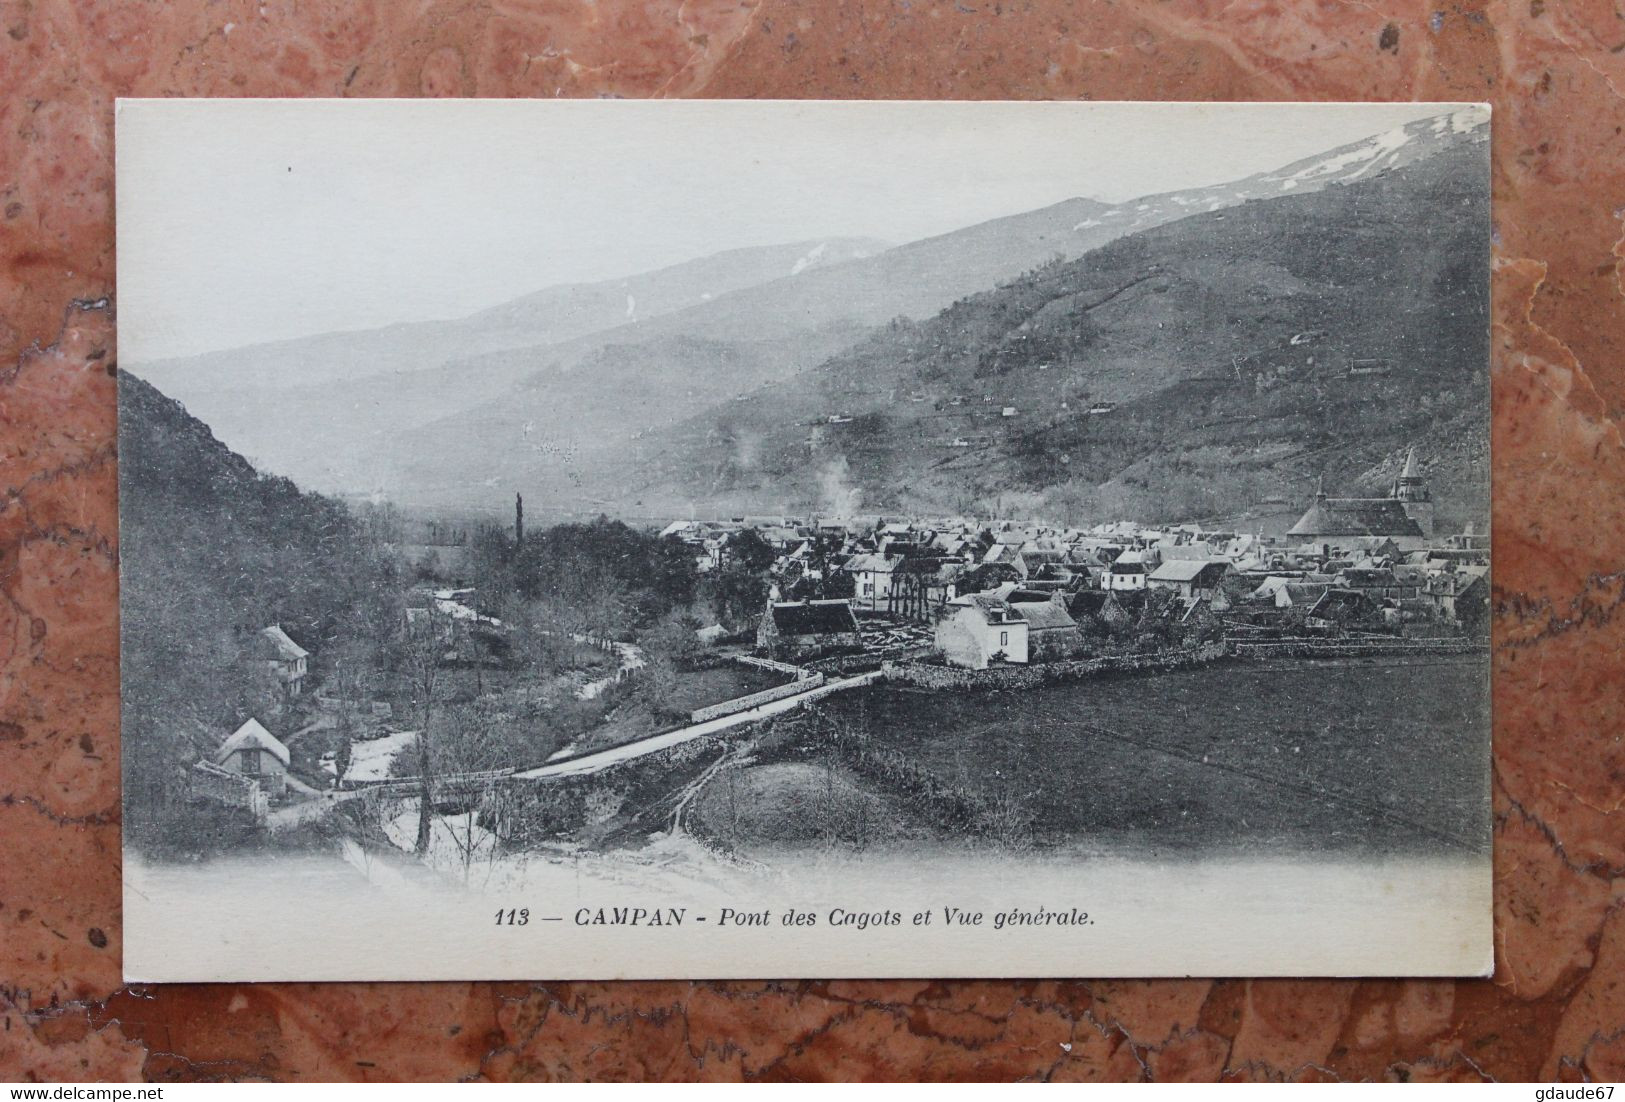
<point>285,658</point>
<point>1190,578</point>
<point>254,752</point>
<point>807,629</point>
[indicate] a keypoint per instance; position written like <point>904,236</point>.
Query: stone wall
<point>841,665</point>
<point>1362,649</point>
<point>838,686</point>
<point>222,786</point>
<point>770,664</point>
<point>766,696</point>
<point>929,676</point>
<point>926,676</point>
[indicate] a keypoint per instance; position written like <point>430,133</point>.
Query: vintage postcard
<point>615,539</point>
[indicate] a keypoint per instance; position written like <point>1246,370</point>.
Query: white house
<point>976,629</point>
<point>872,579</point>
<point>1127,572</point>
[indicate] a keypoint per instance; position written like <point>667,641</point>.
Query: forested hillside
<point>211,552</point>
<point>1193,370</point>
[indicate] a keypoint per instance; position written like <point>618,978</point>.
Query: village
<point>977,596</point>
<point>957,605</point>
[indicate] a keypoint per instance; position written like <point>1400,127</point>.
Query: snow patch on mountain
<point>1367,155</point>
<point>812,257</point>
<point>1460,122</point>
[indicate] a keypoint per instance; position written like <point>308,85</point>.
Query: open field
<point>1355,756</point>
<point>702,688</point>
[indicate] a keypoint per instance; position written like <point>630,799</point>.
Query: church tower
<point>1412,489</point>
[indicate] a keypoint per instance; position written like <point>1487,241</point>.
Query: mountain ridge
<point>1220,347</point>
<point>551,315</point>
<point>1071,226</point>
<point>426,437</point>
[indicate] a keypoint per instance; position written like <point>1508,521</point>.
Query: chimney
<point>518,521</point>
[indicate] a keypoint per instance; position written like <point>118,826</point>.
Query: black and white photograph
<point>707,539</point>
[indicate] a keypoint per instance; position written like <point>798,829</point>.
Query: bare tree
<point>471,739</point>
<point>473,842</point>
<point>423,649</point>
<point>600,603</point>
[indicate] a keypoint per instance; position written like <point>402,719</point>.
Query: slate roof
<point>814,618</point>
<point>1042,558</point>
<point>1356,516</point>
<point>993,608</point>
<point>274,643</point>
<point>1453,585</point>
<point>1357,578</point>
<point>1044,616</point>
<point>878,564</point>
<point>251,736</point>
<point>1201,552</point>
<point>1185,570</point>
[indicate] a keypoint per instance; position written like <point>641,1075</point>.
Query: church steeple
<point>1412,490</point>
<point>1411,486</point>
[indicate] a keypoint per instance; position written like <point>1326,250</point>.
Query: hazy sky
<point>243,221</point>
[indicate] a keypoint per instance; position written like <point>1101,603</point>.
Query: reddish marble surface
<point>1554,70</point>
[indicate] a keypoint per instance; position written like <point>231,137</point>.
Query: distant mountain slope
<point>551,316</point>
<point>575,421</point>
<point>1233,356</point>
<point>553,429</point>
<point>321,410</point>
